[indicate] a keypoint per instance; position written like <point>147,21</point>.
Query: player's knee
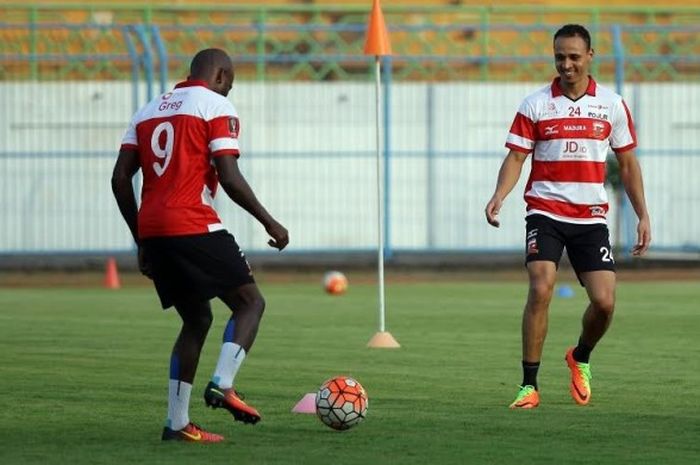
<point>200,323</point>
<point>251,305</point>
<point>541,293</point>
<point>258,305</point>
<point>604,304</point>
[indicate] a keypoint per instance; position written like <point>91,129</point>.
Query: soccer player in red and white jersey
<point>185,143</point>
<point>568,128</point>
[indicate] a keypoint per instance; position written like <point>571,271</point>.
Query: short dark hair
<point>208,60</point>
<point>573,30</point>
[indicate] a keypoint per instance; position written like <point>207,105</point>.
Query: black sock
<point>530,373</point>
<point>582,352</point>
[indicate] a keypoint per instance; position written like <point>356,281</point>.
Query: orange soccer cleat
<point>527,397</point>
<point>580,385</point>
<point>216,397</point>
<point>191,433</point>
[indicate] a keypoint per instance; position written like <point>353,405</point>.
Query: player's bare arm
<point>238,189</point>
<point>631,176</point>
<point>508,177</point>
<point>124,170</point>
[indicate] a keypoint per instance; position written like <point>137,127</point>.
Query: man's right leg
<point>542,276</point>
<point>196,321</point>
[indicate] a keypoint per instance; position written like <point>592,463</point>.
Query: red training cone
<point>111,274</point>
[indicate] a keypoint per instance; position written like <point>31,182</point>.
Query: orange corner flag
<point>377,42</point>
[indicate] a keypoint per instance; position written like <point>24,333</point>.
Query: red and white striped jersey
<point>177,135</point>
<point>570,142</point>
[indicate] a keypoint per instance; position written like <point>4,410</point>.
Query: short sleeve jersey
<point>569,141</point>
<point>177,135</point>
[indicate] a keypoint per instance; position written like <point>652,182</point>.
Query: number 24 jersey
<point>569,141</point>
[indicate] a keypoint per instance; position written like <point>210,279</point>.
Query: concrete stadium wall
<point>309,153</point>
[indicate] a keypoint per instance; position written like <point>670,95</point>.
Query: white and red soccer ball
<point>335,282</point>
<point>341,403</point>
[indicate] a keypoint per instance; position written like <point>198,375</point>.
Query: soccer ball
<point>335,282</point>
<point>341,403</point>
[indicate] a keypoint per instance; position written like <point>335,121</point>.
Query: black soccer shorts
<point>196,267</point>
<point>587,245</point>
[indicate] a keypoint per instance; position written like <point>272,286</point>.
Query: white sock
<point>178,404</point>
<point>230,360</point>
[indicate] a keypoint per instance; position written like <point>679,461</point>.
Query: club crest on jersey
<point>234,127</point>
<point>598,130</point>
<point>597,210</point>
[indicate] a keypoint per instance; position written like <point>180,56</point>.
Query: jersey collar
<point>590,90</point>
<point>191,83</point>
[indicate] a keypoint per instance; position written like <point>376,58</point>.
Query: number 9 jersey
<point>177,135</point>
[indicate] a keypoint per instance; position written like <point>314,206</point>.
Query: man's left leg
<point>247,306</point>
<point>600,287</point>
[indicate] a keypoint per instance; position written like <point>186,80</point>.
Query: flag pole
<point>377,44</point>
<point>380,194</point>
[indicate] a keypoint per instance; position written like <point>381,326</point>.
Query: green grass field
<point>84,373</point>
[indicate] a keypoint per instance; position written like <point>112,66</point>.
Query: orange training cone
<point>111,274</point>
<point>383,340</point>
<point>377,41</point>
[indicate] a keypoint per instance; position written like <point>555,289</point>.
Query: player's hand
<point>492,209</point>
<point>643,237</point>
<point>144,264</point>
<point>279,234</point>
